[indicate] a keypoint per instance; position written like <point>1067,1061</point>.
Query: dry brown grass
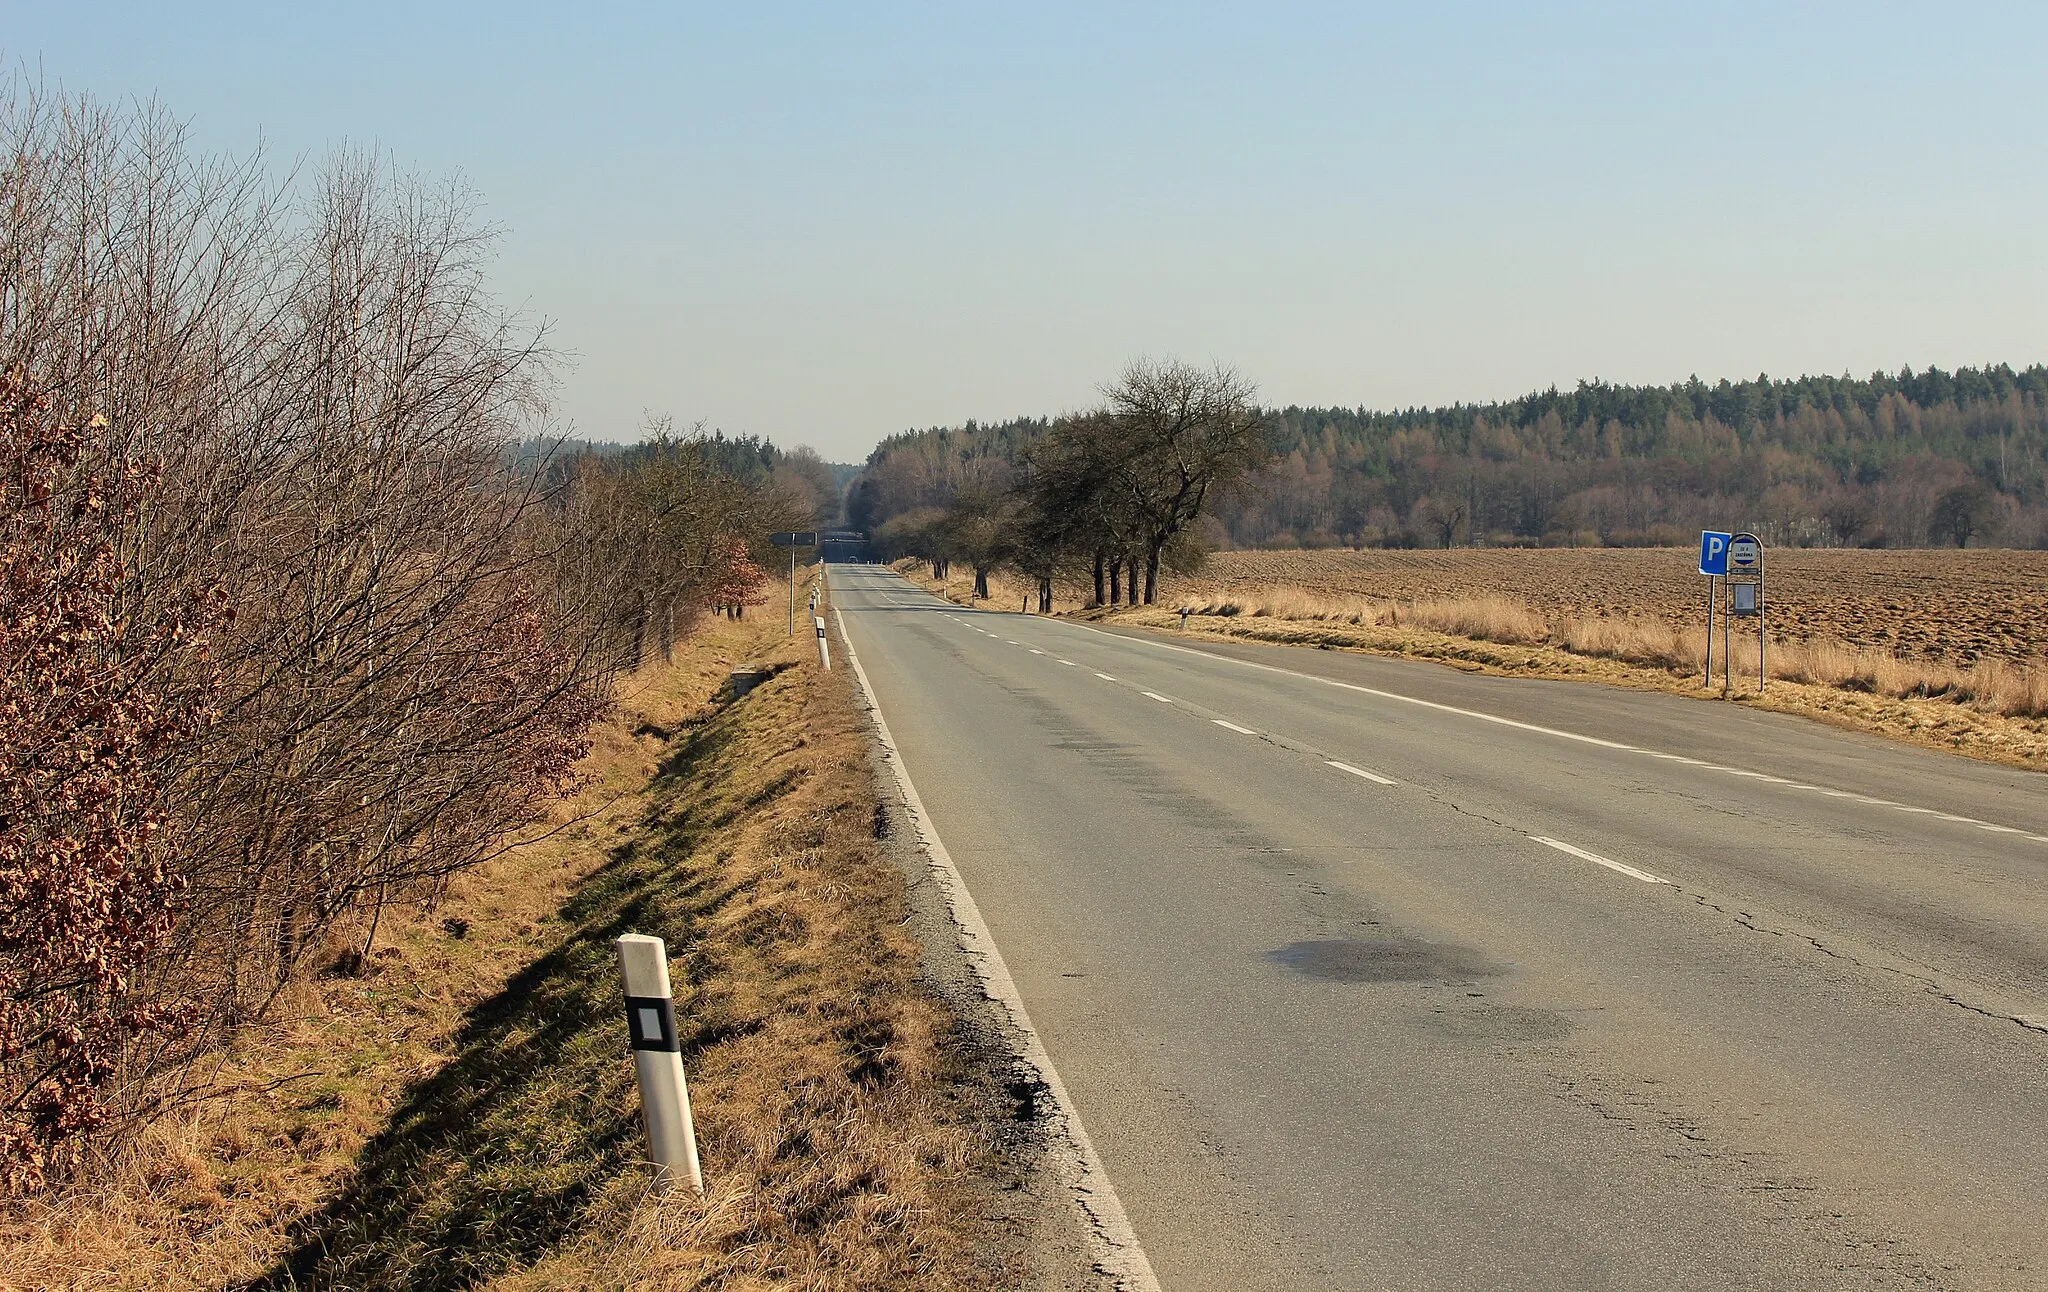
<point>464,1114</point>
<point>1989,711</point>
<point>1992,684</point>
<point>1625,616</point>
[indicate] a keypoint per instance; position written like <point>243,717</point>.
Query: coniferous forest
<point>1916,459</point>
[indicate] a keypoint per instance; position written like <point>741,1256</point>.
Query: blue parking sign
<point>1714,552</point>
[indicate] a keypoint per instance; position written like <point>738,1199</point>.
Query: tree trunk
<point>981,582</point>
<point>1151,574</point>
<point>1098,578</point>
<point>1116,587</point>
<point>1131,582</point>
<point>1045,596</point>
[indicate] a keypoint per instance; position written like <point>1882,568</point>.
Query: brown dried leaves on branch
<point>94,699</point>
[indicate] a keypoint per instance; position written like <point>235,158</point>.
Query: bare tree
<point>808,479</point>
<point>1962,512</point>
<point>979,529</point>
<point>1441,515</point>
<point>1179,435</point>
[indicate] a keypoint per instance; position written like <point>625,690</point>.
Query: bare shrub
<point>420,632</point>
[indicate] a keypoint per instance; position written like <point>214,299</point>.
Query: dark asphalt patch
<point>1385,960</point>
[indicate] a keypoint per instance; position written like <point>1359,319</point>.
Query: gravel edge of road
<point>1041,1226</point>
<point>1038,1195</point>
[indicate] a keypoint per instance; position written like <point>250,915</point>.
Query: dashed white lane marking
<point>1008,640</point>
<point>1598,860</point>
<point>1374,777</point>
<point>1231,726</point>
<point>1069,663</point>
<point>1154,695</point>
<point>1568,735</point>
<point>1105,677</point>
<point>1034,650</point>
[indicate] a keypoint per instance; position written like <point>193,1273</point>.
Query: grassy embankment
<point>464,1113</point>
<point>1991,710</point>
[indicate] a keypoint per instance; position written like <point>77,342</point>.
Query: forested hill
<point>1913,459</point>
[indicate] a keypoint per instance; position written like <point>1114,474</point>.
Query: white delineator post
<point>658,1057</point>
<point>824,649</point>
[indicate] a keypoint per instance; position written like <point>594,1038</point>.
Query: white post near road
<point>658,1057</point>
<point>824,648</point>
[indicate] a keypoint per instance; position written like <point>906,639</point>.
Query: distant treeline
<point>814,485</point>
<point>1918,459</point>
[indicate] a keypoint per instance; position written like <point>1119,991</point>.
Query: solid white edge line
<point>1597,860</point>
<point>1242,731</point>
<point>1122,1257</point>
<point>1359,771</point>
<point>1524,726</point>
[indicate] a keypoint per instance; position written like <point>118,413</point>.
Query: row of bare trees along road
<point>1106,495</point>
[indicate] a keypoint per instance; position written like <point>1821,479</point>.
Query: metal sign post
<point>793,539</point>
<point>1746,592</point>
<point>1713,564</point>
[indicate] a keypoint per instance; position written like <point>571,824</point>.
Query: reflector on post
<point>658,1061</point>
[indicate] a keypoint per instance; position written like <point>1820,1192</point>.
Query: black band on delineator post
<point>652,1022</point>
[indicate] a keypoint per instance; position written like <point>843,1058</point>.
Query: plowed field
<point>1953,607</point>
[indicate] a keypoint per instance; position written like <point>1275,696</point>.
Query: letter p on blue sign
<point>1713,552</point>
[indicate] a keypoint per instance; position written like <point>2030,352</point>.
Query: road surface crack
<point>1932,986</point>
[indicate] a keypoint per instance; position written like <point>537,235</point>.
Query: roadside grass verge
<point>464,1114</point>
<point>1993,686</point>
<point>1992,709</point>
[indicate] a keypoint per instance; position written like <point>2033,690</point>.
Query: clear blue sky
<point>827,224</point>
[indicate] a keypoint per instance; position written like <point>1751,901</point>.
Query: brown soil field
<point>1951,607</point>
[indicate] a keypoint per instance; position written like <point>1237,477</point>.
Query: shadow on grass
<point>508,1151</point>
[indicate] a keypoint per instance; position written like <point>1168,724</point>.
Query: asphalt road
<point>1365,973</point>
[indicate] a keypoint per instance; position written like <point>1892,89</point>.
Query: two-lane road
<point>1370,974</point>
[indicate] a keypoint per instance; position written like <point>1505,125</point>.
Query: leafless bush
<point>662,534</point>
<point>407,637</point>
